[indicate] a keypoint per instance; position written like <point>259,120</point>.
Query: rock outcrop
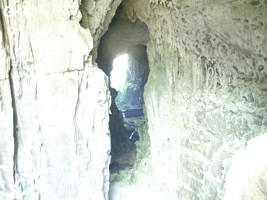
<point>205,96</point>
<point>55,141</point>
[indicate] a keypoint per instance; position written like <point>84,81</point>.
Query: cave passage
<point>119,71</point>
<point>127,108</point>
<point>127,105</point>
<point>125,40</point>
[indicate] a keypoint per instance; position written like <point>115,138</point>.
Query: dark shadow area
<point>124,36</point>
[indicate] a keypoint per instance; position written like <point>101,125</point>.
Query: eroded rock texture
<point>54,139</point>
<point>205,96</point>
<point>6,123</point>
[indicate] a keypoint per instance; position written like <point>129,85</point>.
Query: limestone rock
<point>203,90</point>
<point>246,178</point>
<point>6,123</point>
<point>61,103</point>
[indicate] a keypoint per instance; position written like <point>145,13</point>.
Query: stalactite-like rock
<point>206,94</point>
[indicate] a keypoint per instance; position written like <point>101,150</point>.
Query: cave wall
<point>6,123</point>
<point>54,113</point>
<point>205,97</point>
<point>137,75</point>
<point>121,36</point>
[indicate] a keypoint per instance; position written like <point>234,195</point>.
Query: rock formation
<point>55,103</point>
<point>204,100</point>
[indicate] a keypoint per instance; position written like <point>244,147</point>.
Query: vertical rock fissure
<point>130,142</point>
<point>125,36</point>
<point>127,117</point>
<point>4,34</point>
<point>15,120</point>
<point>2,28</point>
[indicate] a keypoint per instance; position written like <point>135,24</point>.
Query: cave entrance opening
<point>127,80</point>
<point>128,74</point>
<point>127,115</point>
<point>119,71</point>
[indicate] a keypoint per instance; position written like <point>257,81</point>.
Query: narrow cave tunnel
<point>127,114</point>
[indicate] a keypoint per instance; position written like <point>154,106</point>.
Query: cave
<point>127,115</point>
<point>189,124</point>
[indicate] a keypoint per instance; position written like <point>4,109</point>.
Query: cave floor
<point>119,191</point>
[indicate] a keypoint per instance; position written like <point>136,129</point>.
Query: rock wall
<point>121,36</point>
<point>137,75</point>
<point>205,97</point>
<point>6,122</point>
<point>54,114</point>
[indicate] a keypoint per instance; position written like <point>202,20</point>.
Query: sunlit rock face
<point>247,177</point>
<point>54,113</point>
<point>6,124</point>
<point>205,96</point>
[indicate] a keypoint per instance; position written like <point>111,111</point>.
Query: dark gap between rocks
<point>124,36</point>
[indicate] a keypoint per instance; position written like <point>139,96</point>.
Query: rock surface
<point>6,123</point>
<point>206,93</point>
<point>133,113</point>
<point>60,102</point>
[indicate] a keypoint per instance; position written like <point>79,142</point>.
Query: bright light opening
<point>119,72</point>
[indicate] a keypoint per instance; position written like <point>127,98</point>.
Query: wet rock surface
<point>133,113</point>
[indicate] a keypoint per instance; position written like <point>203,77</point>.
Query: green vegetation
<point>124,177</point>
<point>121,100</point>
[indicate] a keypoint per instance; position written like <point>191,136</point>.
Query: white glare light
<point>118,74</point>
